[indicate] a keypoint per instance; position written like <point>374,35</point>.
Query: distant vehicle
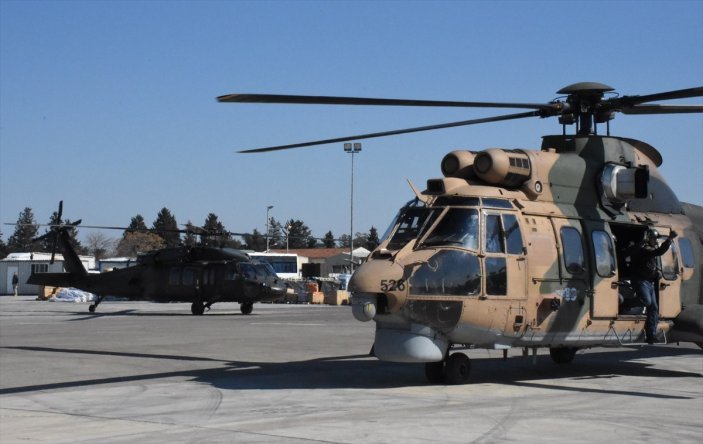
<point>199,275</point>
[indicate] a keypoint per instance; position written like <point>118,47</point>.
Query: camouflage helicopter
<point>199,275</point>
<point>525,248</point>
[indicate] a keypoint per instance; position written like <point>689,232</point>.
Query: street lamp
<point>352,148</point>
<point>267,226</point>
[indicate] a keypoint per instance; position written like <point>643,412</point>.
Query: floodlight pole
<point>352,148</point>
<point>268,208</point>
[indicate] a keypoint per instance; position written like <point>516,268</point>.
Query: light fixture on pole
<point>268,208</point>
<point>352,148</point>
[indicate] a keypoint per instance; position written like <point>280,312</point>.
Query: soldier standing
<point>646,276</point>
<point>15,283</point>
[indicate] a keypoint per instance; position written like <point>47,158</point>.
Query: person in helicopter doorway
<point>646,274</point>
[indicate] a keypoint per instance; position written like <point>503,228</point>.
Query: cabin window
<point>448,273</point>
<point>188,276</point>
<point>573,250</point>
<point>604,252</point>
<point>670,263</point>
<point>686,253</point>
<point>40,268</point>
<point>174,276</point>
<point>512,234</point>
<point>458,227</point>
<point>496,276</point>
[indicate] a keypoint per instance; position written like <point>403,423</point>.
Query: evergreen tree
<point>298,235</point>
<point>276,237</point>
<point>47,244</point>
<point>25,232</point>
<point>372,241</point>
<point>329,241</point>
<point>255,241</point>
<point>3,247</point>
<point>136,225</point>
<point>165,226</point>
<point>190,239</point>
<point>220,236</point>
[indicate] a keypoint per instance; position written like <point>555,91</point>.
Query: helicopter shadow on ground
<point>138,313</point>
<point>365,372</point>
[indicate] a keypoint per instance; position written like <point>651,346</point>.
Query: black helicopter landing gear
<point>197,308</point>
<point>455,369</point>
<point>94,305</point>
<point>246,307</point>
<point>562,355</point>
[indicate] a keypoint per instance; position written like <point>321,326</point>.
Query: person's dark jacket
<point>643,259</point>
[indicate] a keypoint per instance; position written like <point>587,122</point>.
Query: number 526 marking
<point>392,285</point>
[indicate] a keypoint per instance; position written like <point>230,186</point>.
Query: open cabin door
<point>669,291</point>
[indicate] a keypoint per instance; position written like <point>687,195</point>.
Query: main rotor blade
<point>663,109</point>
<point>332,100</point>
<point>395,132</point>
<point>629,101</point>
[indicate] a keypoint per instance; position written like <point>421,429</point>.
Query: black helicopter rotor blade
<point>663,109</point>
<point>334,100</point>
<point>396,132</point>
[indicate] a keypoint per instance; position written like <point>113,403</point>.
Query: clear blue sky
<point>110,105</point>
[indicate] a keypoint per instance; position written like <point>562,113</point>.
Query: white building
<point>24,264</point>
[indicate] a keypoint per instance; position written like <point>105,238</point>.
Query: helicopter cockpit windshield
<point>458,227</point>
<point>412,220</point>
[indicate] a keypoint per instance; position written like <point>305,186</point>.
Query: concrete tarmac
<point>144,372</point>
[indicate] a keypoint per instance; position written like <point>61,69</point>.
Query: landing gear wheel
<point>246,307</point>
<point>197,308</point>
<point>457,369</point>
<point>562,355</point>
<point>91,308</point>
<point>434,371</point>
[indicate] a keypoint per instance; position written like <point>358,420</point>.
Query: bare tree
<point>100,245</point>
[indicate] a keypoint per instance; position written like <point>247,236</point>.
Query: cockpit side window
<point>458,227</point>
<point>494,234</point>
<point>513,237</point>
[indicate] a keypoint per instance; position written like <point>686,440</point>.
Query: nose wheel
<point>453,370</point>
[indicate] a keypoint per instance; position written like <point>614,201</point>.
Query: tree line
<point>164,232</point>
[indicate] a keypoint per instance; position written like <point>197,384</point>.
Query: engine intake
<point>506,168</point>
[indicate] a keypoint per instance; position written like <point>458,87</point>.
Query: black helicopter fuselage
<point>199,275</point>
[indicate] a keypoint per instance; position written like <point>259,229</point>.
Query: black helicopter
<point>199,275</point>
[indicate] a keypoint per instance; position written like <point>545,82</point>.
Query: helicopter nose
<point>377,287</point>
<point>377,276</point>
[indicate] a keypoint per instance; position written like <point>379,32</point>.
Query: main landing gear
<point>453,370</point>
<point>246,307</point>
<point>94,305</point>
<point>198,308</point>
